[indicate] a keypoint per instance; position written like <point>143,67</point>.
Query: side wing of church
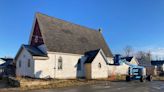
<point>63,50</point>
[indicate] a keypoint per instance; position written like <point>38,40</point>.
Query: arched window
<point>99,65</point>
<point>79,65</point>
<point>28,63</point>
<point>60,63</point>
<point>20,63</point>
<point>36,39</point>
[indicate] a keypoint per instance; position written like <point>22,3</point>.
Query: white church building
<point>63,50</point>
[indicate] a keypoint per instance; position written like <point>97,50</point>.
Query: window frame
<point>99,65</point>
<point>60,63</point>
<point>20,63</point>
<point>29,63</point>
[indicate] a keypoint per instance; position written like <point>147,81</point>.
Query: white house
<point>63,50</point>
<point>1,61</point>
<point>7,67</point>
<point>1,68</point>
<point>158,66</point>
<point>120,68</point>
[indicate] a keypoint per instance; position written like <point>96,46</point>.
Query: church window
<point>60,63</point>
<point>99,65</point>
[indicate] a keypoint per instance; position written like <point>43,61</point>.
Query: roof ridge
<point>91,29</point>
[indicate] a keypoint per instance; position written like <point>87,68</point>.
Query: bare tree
<point>149,56</point>
<point>140,54</point>
<point>128,50</point>
<point>144,58</point>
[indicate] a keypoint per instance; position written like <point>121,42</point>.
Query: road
<point>3,84</point>
<point>134,86</point>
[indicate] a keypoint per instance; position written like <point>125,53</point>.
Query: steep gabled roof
<point>129,59</point>
<point>34,51</point>
<point>91,55</point>
<point>66,37</point>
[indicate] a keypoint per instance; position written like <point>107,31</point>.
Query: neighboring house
<point>159,66</point>
<point>120,68</point>
<point>146,62</point>
<point>131,60</point>
<point>150,70</point>
<point>7,68</point>
<point>1,68</point>
<point>62,50</point>
<point>1,61</point>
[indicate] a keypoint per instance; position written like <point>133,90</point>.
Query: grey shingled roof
<point>62,36</point>
<point>34,51</point>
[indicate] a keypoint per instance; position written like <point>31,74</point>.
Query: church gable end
<point>36,39</point>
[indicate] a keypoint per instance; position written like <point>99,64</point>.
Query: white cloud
<point>157,52</point>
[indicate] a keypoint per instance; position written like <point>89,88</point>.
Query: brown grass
<point>28,83</point>
<point>117,78</point>
<point>66,83</point>
<point>158,78</point>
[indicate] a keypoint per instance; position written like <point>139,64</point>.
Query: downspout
<point>55,67</point>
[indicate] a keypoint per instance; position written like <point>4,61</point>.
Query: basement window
<point>60,63</point>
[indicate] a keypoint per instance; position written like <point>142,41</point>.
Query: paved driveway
<point>134,86</point>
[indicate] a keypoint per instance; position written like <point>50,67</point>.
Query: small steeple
<point>100,30</point>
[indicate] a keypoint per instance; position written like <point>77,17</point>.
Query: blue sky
<point>138,23</point>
